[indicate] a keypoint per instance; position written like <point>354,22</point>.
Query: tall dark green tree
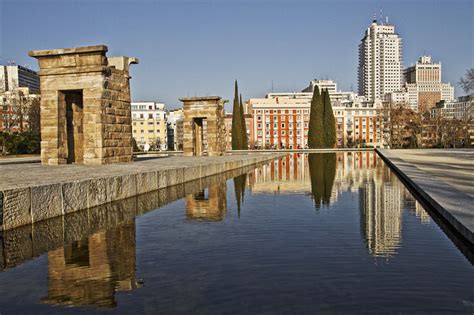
<point>237,141</point>
<point>329,122</point>
<point>245,141</point>
<point>316,127</point>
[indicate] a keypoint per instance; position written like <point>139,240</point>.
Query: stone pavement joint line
<point>443,178</point>
<point>30,193</point>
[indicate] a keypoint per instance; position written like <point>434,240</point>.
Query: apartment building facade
<point>149,125</point>
<point>281,120</point>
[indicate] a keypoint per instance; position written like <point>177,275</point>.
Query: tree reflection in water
<point>239,187</point>
<point>322,169</point>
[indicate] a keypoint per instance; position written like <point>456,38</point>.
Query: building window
<point>283,125</point>
<point>150,116</point>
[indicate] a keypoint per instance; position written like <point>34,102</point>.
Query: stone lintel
<point>200,98</point>
<point>66,51</point>
<point>71,70</point>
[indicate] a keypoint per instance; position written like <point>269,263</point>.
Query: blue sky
<point>189,48</point>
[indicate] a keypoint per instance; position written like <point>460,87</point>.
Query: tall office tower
<point>380,61</point>
<point>12,77</point>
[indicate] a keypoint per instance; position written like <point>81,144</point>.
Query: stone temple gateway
<point>203,126</point>
<point>85,106</point>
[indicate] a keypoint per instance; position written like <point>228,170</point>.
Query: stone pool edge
<point>446,204</point>
<point>21,206</point>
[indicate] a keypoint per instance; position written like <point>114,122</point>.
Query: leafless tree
<point>467,81</point>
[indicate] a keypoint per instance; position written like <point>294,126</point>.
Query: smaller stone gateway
<point>203,126</point>
<point>85,106</point>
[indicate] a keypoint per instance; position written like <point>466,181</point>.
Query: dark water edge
<point>327,233</point>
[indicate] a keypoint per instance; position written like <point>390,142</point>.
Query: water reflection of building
<point>382,197</point>
<point>291,173</point>
<point>90,271</point>
<point>209,204</point>
<point>380,207</point>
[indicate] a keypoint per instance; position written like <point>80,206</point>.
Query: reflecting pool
<point>318,233</point>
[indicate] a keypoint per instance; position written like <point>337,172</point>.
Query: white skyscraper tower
<point>380,61</point>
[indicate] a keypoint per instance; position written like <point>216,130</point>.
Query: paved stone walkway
<point>444,178</point>
<point>26,175</point>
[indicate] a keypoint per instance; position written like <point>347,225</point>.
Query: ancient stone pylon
<point>85,106</point>
<point>203,126</point>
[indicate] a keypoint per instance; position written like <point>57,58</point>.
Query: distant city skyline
<point>189,48</point>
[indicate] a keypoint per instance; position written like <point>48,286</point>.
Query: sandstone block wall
<point>85,106</point>
<point>210,110</point>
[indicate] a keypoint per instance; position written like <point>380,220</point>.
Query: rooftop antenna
<point>386,19</point>
<point>374,19</point>
<point>381,16</point>
<point>272,86</point>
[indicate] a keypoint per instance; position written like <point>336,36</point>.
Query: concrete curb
<point>446,201</point>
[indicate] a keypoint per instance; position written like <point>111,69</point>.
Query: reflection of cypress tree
<point>239,187</point>
<point>322,170</point>
<point>329,175</point>
<point>316,172</point>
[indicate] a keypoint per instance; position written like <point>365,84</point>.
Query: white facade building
<point>330,85</point>
<point>380,61</point>
<point>173,118</point>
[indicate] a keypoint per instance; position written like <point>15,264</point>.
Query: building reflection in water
<point>90,271</point>
<point>209,204</point>
<point>382,197</point>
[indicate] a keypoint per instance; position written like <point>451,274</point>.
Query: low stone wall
<point>25,205</point>
<point>29,241</point>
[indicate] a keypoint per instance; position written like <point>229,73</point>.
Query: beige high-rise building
<point>424,86</point>
<point>380,61</point>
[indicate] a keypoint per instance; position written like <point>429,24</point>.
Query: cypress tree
<point>245,141</point>
<point>329,122</point>
<point>316,128</point>
<point>236,122</point>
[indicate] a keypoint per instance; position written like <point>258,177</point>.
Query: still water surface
<point>302,234</point>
